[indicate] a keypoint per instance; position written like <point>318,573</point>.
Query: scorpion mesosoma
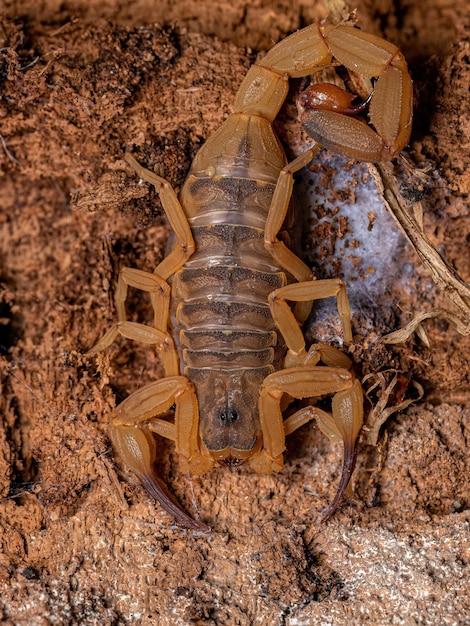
<point>230,296</point>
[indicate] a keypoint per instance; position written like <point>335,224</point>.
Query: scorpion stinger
<point>232,349</point>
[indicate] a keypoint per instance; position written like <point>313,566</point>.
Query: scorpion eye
<point>228,416</point>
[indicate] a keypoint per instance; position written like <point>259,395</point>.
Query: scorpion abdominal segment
<point>251,154</point>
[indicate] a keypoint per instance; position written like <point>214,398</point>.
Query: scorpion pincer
<point>229,297</point>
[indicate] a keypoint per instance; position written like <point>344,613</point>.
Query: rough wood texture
<point>80,542</point>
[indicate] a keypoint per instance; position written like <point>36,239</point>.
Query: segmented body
<point>231,346</point>
<point>228,340</point>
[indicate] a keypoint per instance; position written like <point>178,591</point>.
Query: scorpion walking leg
<point>305,379</point>
<point>276,216</point>
<point>274,221</point>
<point>134,422</point>
<point>155,283</point>
<point>160,296</point>
<point>184,245</point>
<point>306,292</point>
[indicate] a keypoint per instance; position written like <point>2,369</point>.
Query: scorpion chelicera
<point>230,297</point>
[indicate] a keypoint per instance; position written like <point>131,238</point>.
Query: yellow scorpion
<point>230,297</point>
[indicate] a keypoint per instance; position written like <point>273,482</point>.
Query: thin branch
<point>442,273</point>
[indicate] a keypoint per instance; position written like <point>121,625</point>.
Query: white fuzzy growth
<point>368,255</point>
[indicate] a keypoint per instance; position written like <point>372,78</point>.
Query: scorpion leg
<point>306,292</point>
<point>160,295</point>
<point>276,216</point>
<point>184,244</point>
<point>144,334</point>
<point>274,221</point>
<point>133,423</point>
<point>153,284</point>
<point>305,379</point>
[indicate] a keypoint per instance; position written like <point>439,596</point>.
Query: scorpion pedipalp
<point>390,104</point>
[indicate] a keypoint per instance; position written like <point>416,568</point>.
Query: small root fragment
<point>403,334</point>
<point>391,392</point>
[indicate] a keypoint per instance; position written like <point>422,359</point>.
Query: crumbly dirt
<point>80,541</point>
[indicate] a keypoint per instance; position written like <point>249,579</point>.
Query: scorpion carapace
<point>230,296</point>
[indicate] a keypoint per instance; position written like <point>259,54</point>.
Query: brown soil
<point>80,541</point>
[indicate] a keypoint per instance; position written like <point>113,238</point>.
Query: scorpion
<point>230,297</point>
